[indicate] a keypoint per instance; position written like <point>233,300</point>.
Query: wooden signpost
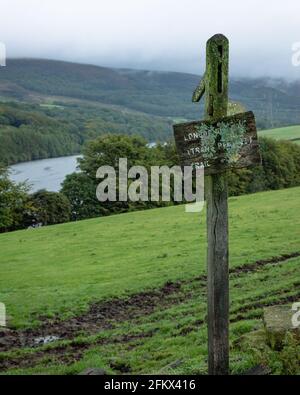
<point>230,142</point>
<point>218,143</point>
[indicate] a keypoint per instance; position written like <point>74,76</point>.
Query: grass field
<point>153,264</point>
<point>291,133</point>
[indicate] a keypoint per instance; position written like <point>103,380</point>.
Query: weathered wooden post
<point>216,86</point>
<point>217,144</point>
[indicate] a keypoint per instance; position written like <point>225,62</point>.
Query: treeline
<point>280,169</point>
<point>19,209</point>
<point>29,132</point>
<point>77,198</point>
<point>28,135</point>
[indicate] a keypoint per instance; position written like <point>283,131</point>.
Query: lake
<point>44,174</point>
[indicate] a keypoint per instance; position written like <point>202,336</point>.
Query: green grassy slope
<point>291,133</point>
<point>62,269</point>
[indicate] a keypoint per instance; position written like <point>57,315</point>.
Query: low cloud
<point>154,34</point>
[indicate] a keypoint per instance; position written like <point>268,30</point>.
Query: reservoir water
<point>44,174</point>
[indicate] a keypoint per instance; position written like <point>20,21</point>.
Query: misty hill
<point>50,108</point>
<point>166,94</point>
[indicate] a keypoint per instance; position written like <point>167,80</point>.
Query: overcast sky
<point>154,34</point>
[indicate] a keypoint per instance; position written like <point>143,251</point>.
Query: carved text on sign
<point>228,143</point>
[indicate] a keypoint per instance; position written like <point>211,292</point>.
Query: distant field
<point>159,257</point>
<point>291,133</point>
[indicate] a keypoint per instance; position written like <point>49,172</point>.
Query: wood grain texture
<point>217,62</point>
<point>217,274</point>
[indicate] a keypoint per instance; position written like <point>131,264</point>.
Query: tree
<point>49,208</point>
<point>106,151</point>
<point>14,202</point>
<point>280,169</point>
<point>80,190</point>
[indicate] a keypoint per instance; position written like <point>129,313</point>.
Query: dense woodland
<point>32,131</point>
<point>52,108</point>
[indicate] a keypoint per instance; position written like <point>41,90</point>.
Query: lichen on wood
<point>225,139</point>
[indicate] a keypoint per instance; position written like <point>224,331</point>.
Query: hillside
<point>38,131</point>
<point>167,94</point>
<point>63,278</point>
<point>51,108</point>
<point>291,133</point>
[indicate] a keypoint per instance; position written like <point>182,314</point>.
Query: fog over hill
<point>154,34</point>
<point>276,102</point>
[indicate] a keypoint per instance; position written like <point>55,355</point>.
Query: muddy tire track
<point>250,267</point>
<point>73,352</point>
<point>105,315</point>
<point>66,354</point>
<point>100,316</point>
<point>240,314</point>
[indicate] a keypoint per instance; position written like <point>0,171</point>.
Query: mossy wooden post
<point>217,215</point>
<point>217,144</point>
<point>215,86</point>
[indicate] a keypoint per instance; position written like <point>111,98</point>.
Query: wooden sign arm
<point>199,91</point>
